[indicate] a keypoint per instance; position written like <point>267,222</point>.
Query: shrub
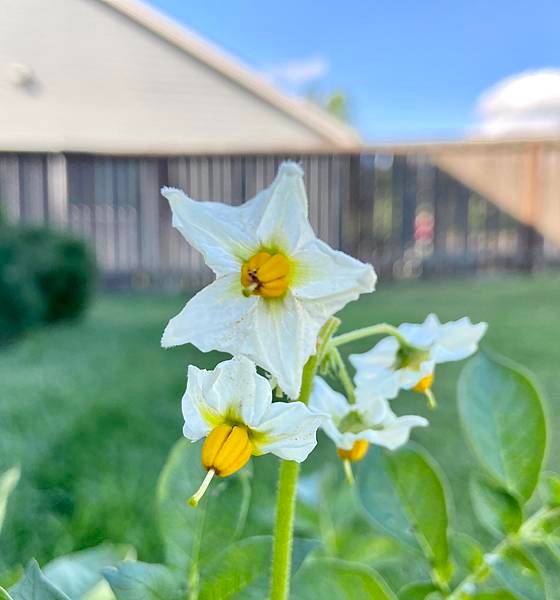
<point>45,276</point>
<point>63,269</point>
<point>21,303</point>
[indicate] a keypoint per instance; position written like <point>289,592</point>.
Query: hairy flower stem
<point>284,530</point>
<point>358,334</point>
<point>287,485</point>
<point>525,534</point>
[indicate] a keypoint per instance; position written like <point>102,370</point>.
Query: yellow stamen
<point>265,275</point>
<point>357,452</point>
<point>226,450</point>
<point>424,384</point>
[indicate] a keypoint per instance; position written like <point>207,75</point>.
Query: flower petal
<point>239,392</point>
<point>217,318</point>
<point>457,340</point>
<point>284,223</point>
<point>421,335</point>
<point>373,408</point>
<point>219,231</point>
<point>281,338</point>
<point>289,430</point>
<point>330,276</point>
<point>194,405</point>
<point>395,431</point>
<point>324,400</point>
<point>408,378</point>
<point>375,375</point>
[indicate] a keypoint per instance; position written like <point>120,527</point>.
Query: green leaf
<point>549,566</point>
<point>468,553</point>
<point>332,578</point>
<point>8,481</point>
<point>242,569</point>
<point>551,489</point>
<point>143,581</point>
<point>4,594</point>
<point>496,509</point>
<point>403,493</point>
<point>78,573</point>
<point>35,586</point>
<point>193,534</point>
<point>502,416</point>
<point>494,595</point>
<point>519,574</point>
<point>417,591</point>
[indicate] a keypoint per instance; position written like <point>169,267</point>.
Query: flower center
<point>357,452</point>
<point>265,275</point>
<point>226,449</point>
<point>409,357</point>
<point>352,422</point>
<point>424,384</point>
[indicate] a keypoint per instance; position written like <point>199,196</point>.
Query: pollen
<point>265,275</point>
<point>357,452</point>
<point>424,384</point>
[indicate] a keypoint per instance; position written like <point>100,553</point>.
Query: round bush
<point>21,302</point>
<point>63,269</point>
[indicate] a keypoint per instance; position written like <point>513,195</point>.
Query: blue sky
<point>411,69</point>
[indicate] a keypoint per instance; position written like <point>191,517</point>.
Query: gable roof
<point>335,133</point>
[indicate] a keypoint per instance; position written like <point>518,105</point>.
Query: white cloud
<point>298,72</point>
<point>527,104</point>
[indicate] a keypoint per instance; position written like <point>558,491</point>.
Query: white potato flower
<point>232,408</point>
<point>276,283</point>
<point>352,427</point>
<point>394,364</point>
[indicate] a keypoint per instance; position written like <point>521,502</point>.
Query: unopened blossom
<point>352,427</point>
<point>232,408</point>
<point>409,363</point>
<point>276,283</point>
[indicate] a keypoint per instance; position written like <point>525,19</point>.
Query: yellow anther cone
<point>357,452</point>
<point>265,275</point>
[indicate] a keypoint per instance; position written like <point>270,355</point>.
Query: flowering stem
<point>284,530</point>
<point>343,376</point>
<point>287,484</point>
<point>358,334</point>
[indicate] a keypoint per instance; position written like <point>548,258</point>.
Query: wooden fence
<point>399,211</point>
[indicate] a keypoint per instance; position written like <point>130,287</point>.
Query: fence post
<point>533,240</point>
<point>57,190</point>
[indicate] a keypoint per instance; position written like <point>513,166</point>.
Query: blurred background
<point>430,138</point>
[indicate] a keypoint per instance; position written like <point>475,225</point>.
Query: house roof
<point>335,133</point>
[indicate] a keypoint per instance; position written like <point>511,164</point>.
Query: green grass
<point>90,410</point>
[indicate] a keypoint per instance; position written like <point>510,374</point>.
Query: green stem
<point>343,375</point>
<point>287,485</point>
<point>524,534</point>
<point>358,334</point>
<point>284,530</point>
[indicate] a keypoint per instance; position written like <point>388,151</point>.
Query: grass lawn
<point>90,410</point>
